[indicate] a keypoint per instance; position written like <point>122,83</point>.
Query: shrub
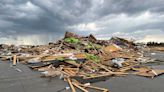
<point>92,57</point>
<point>71,40</point>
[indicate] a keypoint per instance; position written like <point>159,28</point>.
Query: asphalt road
<point>22,79</point>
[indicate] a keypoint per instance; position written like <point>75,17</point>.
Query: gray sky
<point>41,21</point>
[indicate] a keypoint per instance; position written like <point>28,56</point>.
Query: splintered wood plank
<point>68,72</point>
<point>144,74</point>
<point>14,59</point>
<point>158,71</point>
<point>80,56</point>
<point>97,88</point>
<point>103,67</point>
<point>141,69</point>
<point>72,68</point>
<point>124,69</point>
<point>150,73</point>
<point>81,88</point>
<point>71,85</point>
<point>72,63</point>
<point>72,72</point>
<point>99,76</point>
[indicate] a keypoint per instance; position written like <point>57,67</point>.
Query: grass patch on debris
<point>97,46</point>
<point>88,75</point>
<point>90,45</point>
<point>60,59</point>
<point>71,40</point>
<point>71,61</point>
<point>93,58</point>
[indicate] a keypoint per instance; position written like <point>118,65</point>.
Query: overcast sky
<point>41,21</point>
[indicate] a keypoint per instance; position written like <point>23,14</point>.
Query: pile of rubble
<point>82,60</point>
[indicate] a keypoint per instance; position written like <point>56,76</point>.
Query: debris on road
<point>80,60</point>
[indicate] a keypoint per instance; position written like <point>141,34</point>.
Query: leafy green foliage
<point>71,40</point>
<point>92,58</point>
<point>61,59</point>
<point>90,46</point>
<point>97,46</point>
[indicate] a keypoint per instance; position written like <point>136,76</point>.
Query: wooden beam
<point>14,59</point>
<point>81,88</point>
<point>70,84</point>
<point>103,67</point>
<point>97,88</point>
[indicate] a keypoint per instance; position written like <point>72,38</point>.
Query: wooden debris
<point>51,73</point>
<point>80,56</point>
<point>14,59</point>
<point>73,63</point>
<point>81,88</point>
<point>96,88</point>
<point>148,72</point>
<point>103,67</point>
<point>71,85</point>
<point>69,34</point>
<point>68,58</point>
<point>111,48</point>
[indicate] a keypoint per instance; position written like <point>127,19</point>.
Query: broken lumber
<point>71,85</point>
<point>14,59</point>
<point>93,87</point>
<point>81,88</point>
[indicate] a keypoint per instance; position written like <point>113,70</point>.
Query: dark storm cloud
<point>130,7</point>
<point>155,25</point>
<point>54,17</point>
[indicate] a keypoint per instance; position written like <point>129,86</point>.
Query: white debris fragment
<point>44,73</point>
<point>153,53</point>
<point>154,72</point>
<point>67,88</point>
<point>34,60</point>
<point>87,84</point>
<point>118,62</point>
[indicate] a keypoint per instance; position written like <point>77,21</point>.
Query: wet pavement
<point>22,79</point>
